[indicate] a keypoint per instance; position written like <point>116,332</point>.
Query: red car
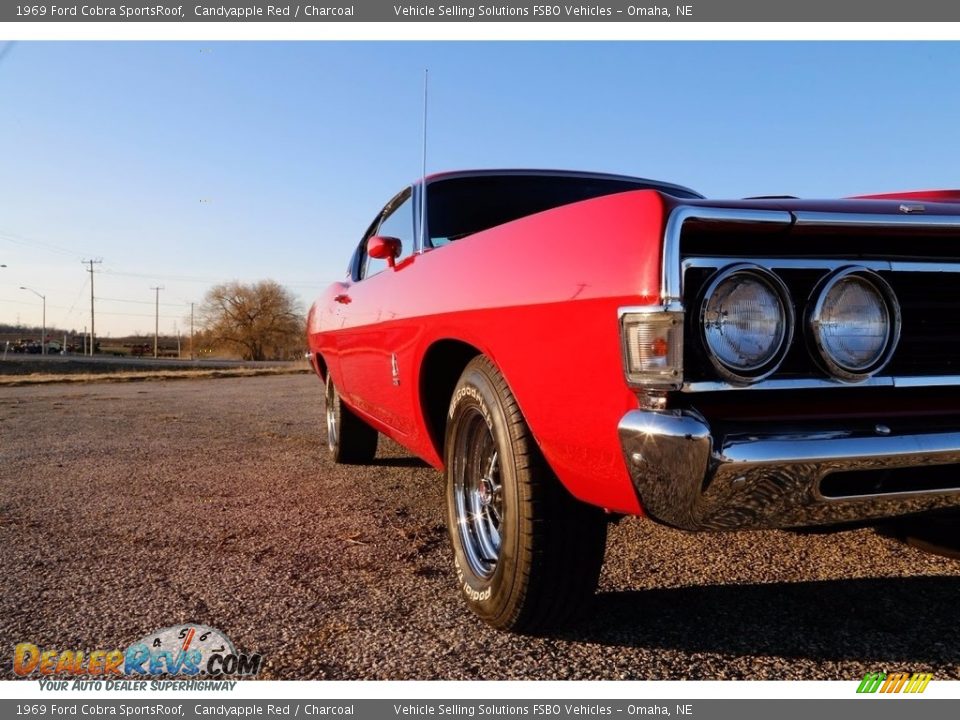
<point>572,347</point>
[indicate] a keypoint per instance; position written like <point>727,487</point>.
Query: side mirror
<point>386,248</point>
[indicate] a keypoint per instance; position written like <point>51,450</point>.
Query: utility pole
<point>156,326</point>
<point>191,331</point>
<point>91,263</point>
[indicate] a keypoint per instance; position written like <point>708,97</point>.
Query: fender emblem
<point>907,208</point>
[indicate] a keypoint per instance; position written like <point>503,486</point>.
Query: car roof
<point>506,172</point>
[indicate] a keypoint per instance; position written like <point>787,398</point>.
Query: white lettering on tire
<point>468,391</point>
<point>476,595</point>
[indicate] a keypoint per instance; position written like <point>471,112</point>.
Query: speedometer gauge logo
<point>188,649</point>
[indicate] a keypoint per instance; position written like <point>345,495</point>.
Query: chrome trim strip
<point>772,263</point>
<point>931,267</point>
<point>420,236</point>
<point>684,478</point>
<point>711,262</point>
<point>671,284</point>
<point>807,218</point>
<point>919,381</point>
<point>786,384</point>
<point>641,310</point>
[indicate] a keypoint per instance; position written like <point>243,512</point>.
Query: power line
<point>5,49</point>
<point>22,302</point>
<point>139,302</point>
<point>154,276</point>
<point>77,299</point>
<point>315,284</point>
<point>41,244</point>
<point>143,315</point>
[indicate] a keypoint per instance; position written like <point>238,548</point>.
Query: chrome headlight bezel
<point>747,374</point>
<point>820,351</point>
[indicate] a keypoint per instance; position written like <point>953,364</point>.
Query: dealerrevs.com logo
<point>183,650</point>
<point>894,682</point>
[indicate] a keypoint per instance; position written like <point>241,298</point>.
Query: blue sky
<point>187,164</point>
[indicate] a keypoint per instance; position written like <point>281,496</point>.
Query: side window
<point>358,266</point>
<point>399,224</point>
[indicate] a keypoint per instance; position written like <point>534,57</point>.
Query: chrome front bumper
<point>687,477</point>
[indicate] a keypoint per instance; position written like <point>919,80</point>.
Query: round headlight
<point>855,323</point>
<point>747,321</point>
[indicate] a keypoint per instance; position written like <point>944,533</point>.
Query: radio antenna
<point>423,168</point>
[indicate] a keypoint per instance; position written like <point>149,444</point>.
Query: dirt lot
<point>125,508</point>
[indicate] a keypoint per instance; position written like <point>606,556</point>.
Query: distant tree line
<point>258,321</point>
<point>8,329</point>
<point>254,321</point>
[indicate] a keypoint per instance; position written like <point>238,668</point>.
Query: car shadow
<point>891,620</point>
<point>412,462</point>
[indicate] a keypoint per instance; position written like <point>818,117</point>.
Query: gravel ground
<point>127,508</point>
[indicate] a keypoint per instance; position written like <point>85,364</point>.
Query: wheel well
<point>442,366</point>
<point>320,366</point>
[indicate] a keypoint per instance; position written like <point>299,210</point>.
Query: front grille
<point>930,334</point>
<point>929,303</point>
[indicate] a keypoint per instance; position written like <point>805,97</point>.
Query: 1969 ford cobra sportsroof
<point>570,347</point>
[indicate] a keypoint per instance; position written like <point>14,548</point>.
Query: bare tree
<point>260,320</point>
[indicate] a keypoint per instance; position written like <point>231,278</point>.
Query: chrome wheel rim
<point>478,495</point>
<point>331,417</point>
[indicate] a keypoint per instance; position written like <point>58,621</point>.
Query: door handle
<point>342,298</point>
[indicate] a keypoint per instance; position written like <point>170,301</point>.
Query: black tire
<point>527,554</point>
<point>350,440</point>
<point>938,534</point>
